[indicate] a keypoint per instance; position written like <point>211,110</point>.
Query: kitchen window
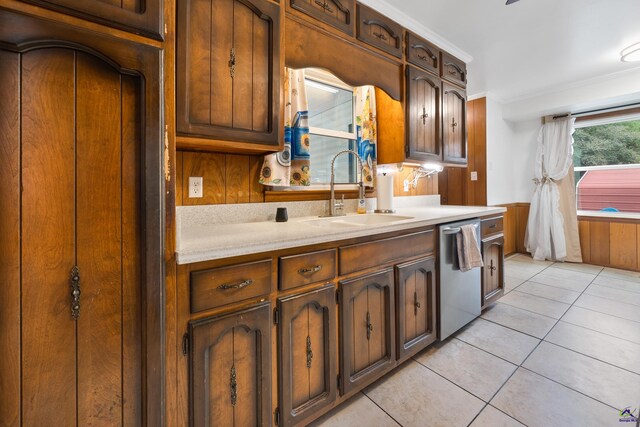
<point>331,127</point>
<point>606,156</point>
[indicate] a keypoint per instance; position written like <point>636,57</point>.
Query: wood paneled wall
<point>515,227</point>
<point>610,242</point>
<point>607,242</point>
<point>231,178</point>
<point>456,186</point>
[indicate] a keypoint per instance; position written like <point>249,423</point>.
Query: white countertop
<point>214,241</point>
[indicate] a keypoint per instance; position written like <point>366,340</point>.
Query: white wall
<point>511,149</point>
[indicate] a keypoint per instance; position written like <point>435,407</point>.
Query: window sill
<point>603,216</point>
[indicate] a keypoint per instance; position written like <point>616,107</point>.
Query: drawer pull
<point>493,225</point>
<point>324,5</point>
<point>380,36</point>
<point>313,269</point>
<point>236,285</point>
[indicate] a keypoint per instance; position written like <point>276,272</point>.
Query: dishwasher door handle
<point>449,231</point>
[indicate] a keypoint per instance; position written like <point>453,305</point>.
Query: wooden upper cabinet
<point>337,13</point>
<point>453,70</point>
<point>454,127</point>
<point>423,116</point>
<point>307,353</point>
<point>379,31</point>
<point>143,17</point>
<point>231,369</point>
<point>423,54</point>
<point>367,328</point>
<point>416,297</point>
<point>228,73</point>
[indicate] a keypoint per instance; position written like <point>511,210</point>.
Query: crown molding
<point>416,27</point>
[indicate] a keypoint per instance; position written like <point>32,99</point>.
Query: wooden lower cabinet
<point>307,353</point>
<point>367,328</point>
<point>231,369</point>
<point>416,299</point>
<point>493,270</point>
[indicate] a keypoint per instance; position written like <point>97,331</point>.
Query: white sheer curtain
<point>545,238</point>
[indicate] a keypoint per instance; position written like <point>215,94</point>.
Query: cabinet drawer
<point>224,285</point>
<point>423,54</point>
<point>372,254</point>
<point>298,270</point>
<point>454,70</point>
<point>491,226</point>
<point>337,13</point>
<point>379,31</point>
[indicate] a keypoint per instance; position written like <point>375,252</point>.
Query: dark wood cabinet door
<point>453,70</point>
<point>379,31</point>
<point>230,369</point>
<point>423,116</point>
<point>143,17</point>
<point>367,329</point>
<point>81,312</point>
<point>493,270</point>
<point>228,71</point>
<point>454,124</point>
<point>337,13</point>
<point>423,54</point>
<point>416,297</point>
<point>307,353</point>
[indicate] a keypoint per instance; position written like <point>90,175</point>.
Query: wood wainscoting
<point>515,227</point>
<point>609,242</point>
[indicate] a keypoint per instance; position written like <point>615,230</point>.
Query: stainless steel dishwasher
<point>459,292</point>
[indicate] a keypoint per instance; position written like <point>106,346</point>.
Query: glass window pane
<point>330,107</point>
<point>322,149</point>
<point>609,144</point>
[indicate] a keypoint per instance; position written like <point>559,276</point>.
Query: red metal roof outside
<point>600,189</point>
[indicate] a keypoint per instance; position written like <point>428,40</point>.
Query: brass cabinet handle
<point>309,352</point>
<point>426,50</point>
<point>240,285</point>
<point>380,36</point>
<point>75,292</point>
<point>369,326</point>
<point>313,269</point>
<point>456,67</point>
<point>233,385</point>
<point>324,5</point>
<point>493,225</point>
<point>232,62</point>
<point>416,303</point>
<point>453,124</point>
<point>492,268</point>
<point>424,116</point>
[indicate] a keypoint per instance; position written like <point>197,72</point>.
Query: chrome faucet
<point>335,206</point>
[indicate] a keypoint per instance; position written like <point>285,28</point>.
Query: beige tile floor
<point>561,348</point>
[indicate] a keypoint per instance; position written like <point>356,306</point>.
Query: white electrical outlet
<point>195,187</point>
<point>474,176</point>
<point>406,185</point>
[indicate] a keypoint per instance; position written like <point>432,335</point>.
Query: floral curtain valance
<point>291,165</point>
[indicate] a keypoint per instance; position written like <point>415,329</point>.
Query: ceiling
<point>529,47</point>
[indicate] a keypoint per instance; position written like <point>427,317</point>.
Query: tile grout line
<point>381,408</point>
<point>529,355</point>
<point>568,349</point>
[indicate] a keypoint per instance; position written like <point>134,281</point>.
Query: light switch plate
<point>195,187</point>
<point>474,176</point>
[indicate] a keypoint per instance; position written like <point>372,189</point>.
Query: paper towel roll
<point>384,193</point>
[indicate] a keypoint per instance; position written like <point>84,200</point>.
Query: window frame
<point>599,120</point>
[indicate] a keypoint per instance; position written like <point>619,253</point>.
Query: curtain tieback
<point>542,181</point>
